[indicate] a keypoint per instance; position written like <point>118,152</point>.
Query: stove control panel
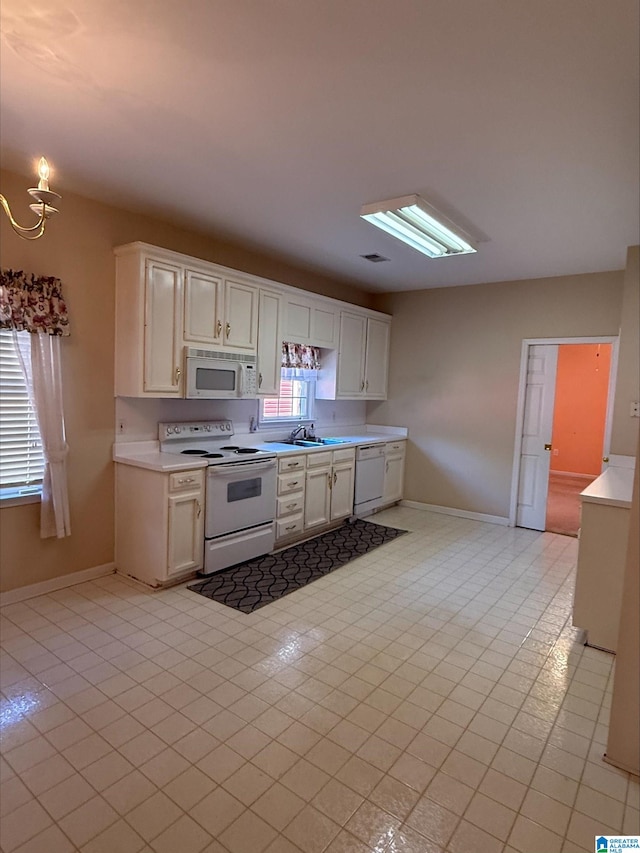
<point>193,429</point>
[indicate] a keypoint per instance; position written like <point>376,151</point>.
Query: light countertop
<point>613,488</point>
<point>145,454</point>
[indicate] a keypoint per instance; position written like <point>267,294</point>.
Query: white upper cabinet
<point>376,359</point>
<point>166,301</point>
<point>359,370</point>
<point>203,295</point>
<point>269,342</point>
<point>240,325</point>
<point>310,322</point>
<point>351,360</point>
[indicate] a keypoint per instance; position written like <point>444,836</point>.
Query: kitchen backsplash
<point>137,418</point>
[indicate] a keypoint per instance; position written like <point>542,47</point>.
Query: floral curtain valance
<point>32,303</point>
<point>300,356</point>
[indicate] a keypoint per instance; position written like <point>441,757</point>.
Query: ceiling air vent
<point>375,258</point>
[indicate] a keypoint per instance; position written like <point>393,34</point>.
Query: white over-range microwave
<point>218,375</point>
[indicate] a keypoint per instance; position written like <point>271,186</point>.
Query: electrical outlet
<point>121,427</point>
<point>555,451</point>
<point>635,409</point>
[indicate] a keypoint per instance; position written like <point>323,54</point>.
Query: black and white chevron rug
<point>249,586</point>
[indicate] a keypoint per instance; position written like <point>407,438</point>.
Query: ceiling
<point>270,122</point>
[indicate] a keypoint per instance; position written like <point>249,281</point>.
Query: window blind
<point>21,460</point>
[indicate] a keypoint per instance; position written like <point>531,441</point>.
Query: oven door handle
<point>233,467</point>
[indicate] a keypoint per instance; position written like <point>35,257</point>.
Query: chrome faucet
<point>294,432</point>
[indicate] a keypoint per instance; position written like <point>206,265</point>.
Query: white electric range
<point>240,494</point>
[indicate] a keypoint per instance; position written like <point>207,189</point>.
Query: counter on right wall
<point>454,375</point>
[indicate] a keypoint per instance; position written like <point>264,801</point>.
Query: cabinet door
<point>163,329</point>
<point>323,327</point>
<point>240,327</point>
<point>376,359</point>
<point>269,343</point>
<point>317,498</point>
<point>297,322</point>
<point>353,329</point>
<point>342,491</point>
<point>202,308</point>
<point>186,533</point>
<point>393,478</point>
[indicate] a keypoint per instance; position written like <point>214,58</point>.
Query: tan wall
<point>78,249</point>
<point>454,373</point>
<point>624,430</point>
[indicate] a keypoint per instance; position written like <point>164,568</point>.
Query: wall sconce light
<point>41,207</point>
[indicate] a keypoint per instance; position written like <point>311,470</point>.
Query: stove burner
<point>230,447</point>
<point>247,450</point>
<point>213,455</point>
<point>194,452</point>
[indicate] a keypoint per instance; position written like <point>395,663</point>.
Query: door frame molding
<point>522,385</point>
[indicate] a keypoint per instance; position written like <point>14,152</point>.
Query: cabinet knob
<point>330,481</point>
<point>178,374</point>
<point>228,329</point>
<point>362,385</point>
<point>605,458</point>
<point>293,483</point>
<point>292,464</point>
<point>290,527</point>
<point>199,509</point>
<point>291,506</point>
<point>218,328</point>
<point>366,385</point>
<point>259,380</point>
<point>335,477</point>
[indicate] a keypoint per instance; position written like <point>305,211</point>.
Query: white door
<point>353,332</point>
<point>269,343</point>
<point>241,316</point>
<point>317,498</point>
<point>377,359</point>
<point>342,491</point>
<point>535,458</point>
<point>163,329</point>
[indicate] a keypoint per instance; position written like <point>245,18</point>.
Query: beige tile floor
<point>431,696</point>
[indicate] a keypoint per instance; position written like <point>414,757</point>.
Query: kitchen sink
<point>307,442</point>
<point>298,442</point>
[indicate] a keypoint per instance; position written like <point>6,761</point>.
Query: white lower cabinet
<point>329,487</point>
<point>159,523</point>
<point>394,452</point>
<point>314,491</point>
<point>290,500</point>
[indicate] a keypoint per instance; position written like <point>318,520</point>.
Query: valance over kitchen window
<point>34,304</point>
<point>299,361</point>
<point>31,303</point>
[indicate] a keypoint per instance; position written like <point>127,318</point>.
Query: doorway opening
<point>563,429</point>
<point>577,438</point>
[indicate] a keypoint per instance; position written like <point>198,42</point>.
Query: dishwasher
<point>370,464</point>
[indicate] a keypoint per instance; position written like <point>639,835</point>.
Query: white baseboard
<point>22,593</point>
<point>460,513</point>
<point>572,474</point>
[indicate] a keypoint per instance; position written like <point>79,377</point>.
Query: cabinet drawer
<point>319,460</point>
<point>291,463</point>
<point>183,481</point>
<point>288,483</point>
<point>395,448</point>
<point>289,526</point>
<point>346,454</point>
<point>290,504</point>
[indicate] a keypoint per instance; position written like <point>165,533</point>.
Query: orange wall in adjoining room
<point>582,386</point>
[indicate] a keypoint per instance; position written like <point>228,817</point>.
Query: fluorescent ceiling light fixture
<point>416,223</point>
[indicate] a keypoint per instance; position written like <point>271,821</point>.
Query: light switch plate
<point>635,409</point>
